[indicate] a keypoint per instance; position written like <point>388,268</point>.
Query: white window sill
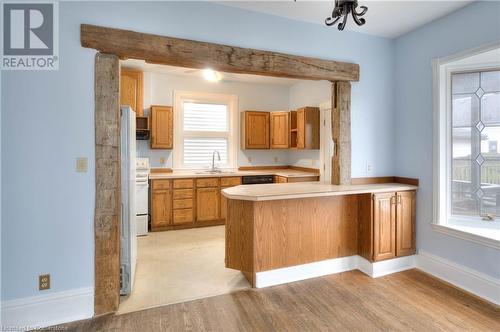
<point>473,234</point>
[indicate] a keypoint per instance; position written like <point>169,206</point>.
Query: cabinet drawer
<point>211,182</point>
<point>280,179</point>
<point>183,203</point>
<point>183,193</point>
<point>161,184</point>
<point>183,183</point>
<point>229,182</point>
<point>183,216</point>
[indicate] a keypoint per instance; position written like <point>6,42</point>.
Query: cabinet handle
<point>399,199</point>
<point>393,200</point>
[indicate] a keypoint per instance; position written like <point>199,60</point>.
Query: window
<point>204,123</point>
<point>467,137</point>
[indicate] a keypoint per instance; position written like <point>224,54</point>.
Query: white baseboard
<point>463,277</point>
<point>379,269</point>
<point>49,309</point>
<point>331,266</point>
<point>305,271</point>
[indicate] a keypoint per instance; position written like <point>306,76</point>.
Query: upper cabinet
<point>280,130</point>
<point>255,130</point>
<point>304,128</point>
<point>131,89</point>
<point>161,127</point>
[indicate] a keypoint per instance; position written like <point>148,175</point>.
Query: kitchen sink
<point>215,172</point>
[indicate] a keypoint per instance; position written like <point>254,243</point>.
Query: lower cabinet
<point>388,230</point>
<point>186,203</point>
<point>161,205</point>
<point>207,204</point>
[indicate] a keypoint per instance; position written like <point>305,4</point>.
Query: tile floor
<point>178,266</point>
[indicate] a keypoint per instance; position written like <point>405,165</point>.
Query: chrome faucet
<point>214,169</point>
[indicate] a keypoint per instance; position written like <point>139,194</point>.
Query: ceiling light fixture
<point>212,75</point>
<point>343,8</point>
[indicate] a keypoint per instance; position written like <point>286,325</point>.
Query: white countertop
<point>273,191</point>
<point>289,173</point>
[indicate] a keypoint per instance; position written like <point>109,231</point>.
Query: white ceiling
<point>196,73</point>
<point>384,18</point>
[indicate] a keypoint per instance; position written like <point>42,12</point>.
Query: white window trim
<point>202,97</point>
<point>442,69</point>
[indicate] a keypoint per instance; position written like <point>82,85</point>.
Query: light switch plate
<point>81,165</point>
<point>162,160</point>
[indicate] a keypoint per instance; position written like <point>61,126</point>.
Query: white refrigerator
<point>128,231</point>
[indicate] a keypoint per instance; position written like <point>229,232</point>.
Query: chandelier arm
<point>363,12</point>
<point>357,19</point>
<point>330,21</point>
<point>343,24</point>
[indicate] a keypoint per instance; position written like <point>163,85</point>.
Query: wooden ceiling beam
<point>171,51</point>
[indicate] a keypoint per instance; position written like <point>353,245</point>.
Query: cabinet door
<point>131,90</point>
<point>161,127</point>
<point>207,204</point>
<point>256,130</point>
<point>405,223</point>
<point>161,208</point>
<point>280,179</point>
<point>301,129</point>
<point>384,226</point>
<point>279,130</point>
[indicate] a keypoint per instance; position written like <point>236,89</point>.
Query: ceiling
<point>196,73</point>
<point>384,18</point>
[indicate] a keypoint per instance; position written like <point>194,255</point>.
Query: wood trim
<point>305,169</point>
<point>161,170</point>
<point>195,54</point>
<point>411,181</point>
<point>107,179</point>
<point>341,132</point>
<point>385,179</point>
<point>297,168</point>
<point>259,168</point>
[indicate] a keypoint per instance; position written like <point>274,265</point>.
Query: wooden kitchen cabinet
<point>161,205</point>
<point>405,223</point>
<point>255,130</point>
<point>304,128</point>
<point>131,89</point>
<point>162,127</point>
<point>207,204</point>
<point>386,226</point>
<point>280,132</point>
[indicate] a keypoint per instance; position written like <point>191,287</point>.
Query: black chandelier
<point>343,8</point>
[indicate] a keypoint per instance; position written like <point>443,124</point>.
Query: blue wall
<point>470,27</point>
<point>48,121</point>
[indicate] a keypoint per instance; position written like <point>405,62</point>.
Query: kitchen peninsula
<point>282,233</point>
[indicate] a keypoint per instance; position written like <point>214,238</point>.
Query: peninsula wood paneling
<point>194,54</point>
<point>300,231</point>
<point>239,236</point>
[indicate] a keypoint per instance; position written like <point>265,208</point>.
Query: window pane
<point>490,108</point>
<point>205,117</point>
<point>465,110</point>
<point>465,83</point>
<point>461,142</point>
<point>490,187</point>
<point>490,137</point>
<point>490,81</point>
<point>198,151</point>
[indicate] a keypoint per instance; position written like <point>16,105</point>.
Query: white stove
<point>141,195</point>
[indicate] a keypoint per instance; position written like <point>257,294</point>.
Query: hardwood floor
<point>350,301</point>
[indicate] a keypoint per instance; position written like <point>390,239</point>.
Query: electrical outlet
<point>81,165</point>
<point>369,168</point>
<point>276,159</point>
<point>44,281</point>
<point>162,160</point>
<point>249,159</point>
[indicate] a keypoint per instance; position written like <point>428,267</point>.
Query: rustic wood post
<point>107,178</point>
<point>341,132</point>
